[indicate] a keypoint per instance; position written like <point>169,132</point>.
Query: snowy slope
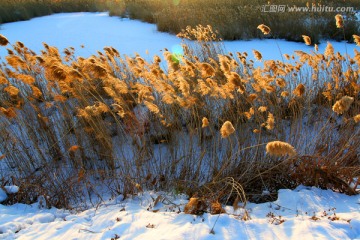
<point>308,213</point>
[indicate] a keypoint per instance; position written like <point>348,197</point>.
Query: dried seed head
<point>343,104</point>
<point>307,39</point>
<point>12,91</point>
<point>339,21</point>
<point>270,122</point>
<point>284,94</point>
<point>357,118</point>
<point>279,149</point>
<point>299,90</point>
<point>227,129</point>
<point>3,41</point>
<point>316,47</point>
<point>356,39</point>
<point>257,55</point>
<point>205,122</point>
<point>152,107</point>
<point>329,50</point>
<point>264,29</point>
<point>281,82</point>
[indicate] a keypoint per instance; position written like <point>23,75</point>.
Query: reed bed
<point>177,123</point>
<point>234,19</point>
<point>238,19</point>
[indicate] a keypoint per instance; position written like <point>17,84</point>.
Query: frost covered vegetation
<point>207,123</point>
<point>234,19</point>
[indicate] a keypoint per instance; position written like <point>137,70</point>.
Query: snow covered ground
<point>97,30</point>
<point>303,213</point>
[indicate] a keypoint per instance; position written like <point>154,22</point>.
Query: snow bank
<point>303,213</point>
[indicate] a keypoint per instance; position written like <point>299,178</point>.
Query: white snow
<point>11,189</point>
<point>308,213</point>
<point>3,195</point>
<point>303,213</point>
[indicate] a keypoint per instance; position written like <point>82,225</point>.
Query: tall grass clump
<point>74,127</point>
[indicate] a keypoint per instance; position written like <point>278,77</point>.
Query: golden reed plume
<point>339,21</point>
<point>307,39</point>
<point>227,129</point>
<point>264,29</point>
<point>205,122</point>
<point>279,149</point>
<point>3,41</point>
<point>343,104</point>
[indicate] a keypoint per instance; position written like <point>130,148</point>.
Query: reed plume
<point>307,39</point>
<point>257,55</point>
<point>205,122</point>
<point>3,41</point>
<point>299,90</point>
<point>279,149</point>
<point>356,39</point>
<point>264,29</point>
<point>357,118</point>
<point>339,21</point>
<point>342,105</point>
<point>227,129</point>
<point>270,122</point>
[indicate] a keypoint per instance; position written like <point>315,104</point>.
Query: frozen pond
<point>97,30</point>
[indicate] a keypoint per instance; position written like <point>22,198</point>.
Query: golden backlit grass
<point>174,122</point>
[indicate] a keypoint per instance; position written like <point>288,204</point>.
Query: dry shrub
<point>216,208</point>
<point>319,172</point>
<point>196,206</point>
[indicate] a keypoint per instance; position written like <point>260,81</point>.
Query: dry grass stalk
<point>279,149</point>
<point>227,129</point>
<point>342,105</point>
